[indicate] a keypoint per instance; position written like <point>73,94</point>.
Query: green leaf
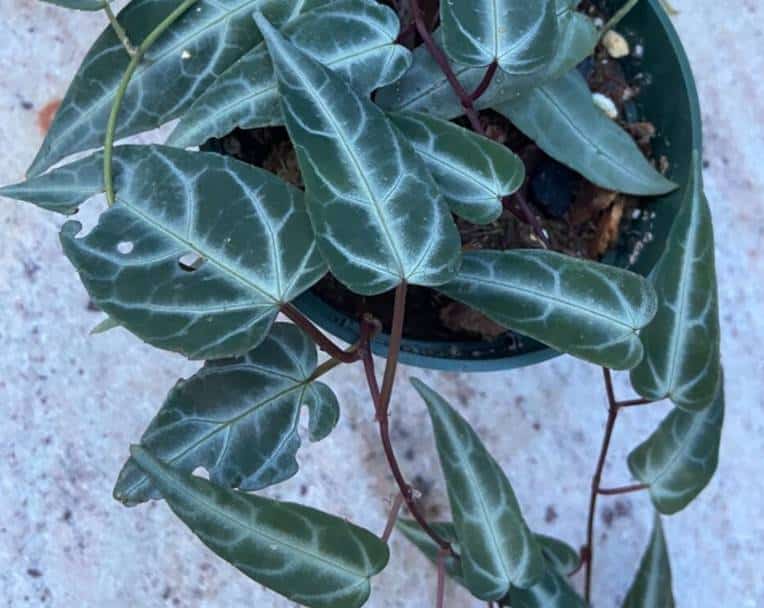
<point>62,190</point>
<point>238,418</point>
<point>473,172</point>
<point>589,310</point>
<point>178,68</point>
<point>422,541</point>
<point>249,229</point>
<point>496,548</point>
<point>378,215</point>
<point>682,344</point>
<point>80,5</point>
<point>578,38</point>
<point>424,88</point>
<point>563,120</point>
<point>520,35</point>
<point>553,591</point>
<point>312,558</point>
<point>652,586</point>
<point>362,49</point>
<point>680,457</point>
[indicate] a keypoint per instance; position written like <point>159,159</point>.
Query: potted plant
<point>506,174</point>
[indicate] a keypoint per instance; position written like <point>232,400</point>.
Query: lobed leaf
<point>682,344</point>
<point>178,68</point>
<point>496,548</point>
<point>589,310</point>
<point>238,418</point>
<point>422,541</point>
<point>680,457</point>
<point>362,49</point>
<point>473,172</point>
<point>378,215</point>
<point>562,119</point>
<point>424,88</point>
<point>652,586</point>
<point>310,557</point>
<point>233,219</point>
<point>521,36</point>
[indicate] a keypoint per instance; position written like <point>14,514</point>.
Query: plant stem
<point>394,349</point>
<point>618,16</point>
<point>486,82</point>
<point>393,517</point>
<point>440,593</point>
<point>119,30</point>
<point>383,420</point>
<point>610,425</point>
<point>635,402</point>
<point>637,487</point>
<point>442,60</point>
<point>111,125</point>
<point>321,340</point>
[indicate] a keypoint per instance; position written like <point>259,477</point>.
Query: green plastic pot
<point>669,100</point>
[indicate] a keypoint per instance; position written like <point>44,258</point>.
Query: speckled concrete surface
<point>71,403</point>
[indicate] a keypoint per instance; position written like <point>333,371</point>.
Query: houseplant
<point>198,253</point>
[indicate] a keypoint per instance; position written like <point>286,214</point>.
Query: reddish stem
<point>393,517</point>
<point>440,593</point>
<point>323,342</point>
<point>635,402</point>
<point>486,82</point>
<point>637,487</point>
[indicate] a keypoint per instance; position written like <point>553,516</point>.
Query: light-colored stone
<point>616,45</point>
<point>607,105</point>
<point>72,403</point>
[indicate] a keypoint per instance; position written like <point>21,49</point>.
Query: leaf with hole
<point>652,586</point>
<point>378,215</point>
<point>362,49</point>
<point>310,557</point>
<point>562,119</point>
<point>235,219</point>
<point>473,172</point>
<point>181,64</point>
<point>496,548</point>
<point>682,344</point>
<point>520,35</point>
<point>424,88</point>
<point>589,310</point>
<point>238,418</point>
<point>679,459</point>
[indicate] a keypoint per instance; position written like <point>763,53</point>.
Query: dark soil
<point>581,219</point>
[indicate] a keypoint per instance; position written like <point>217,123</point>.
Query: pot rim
<point>419,353</point>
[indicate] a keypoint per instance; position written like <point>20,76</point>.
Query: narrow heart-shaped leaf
<point>310,557</point>
<point>64,189</point>
<point>378,215</point>
<point>80,5</point>
<point>588,310</point>
<point>250,238</point>
<point>679,459</point>
<point>563,120</point>
<point>238,418</point>
<point>424,88</point>
<point>473,172</point>
<point>682,350</point>
<point>652,586</point>
<point>496,547</point>
<point>520,35</point>
<point>178,68</point>
<point>552,592</point>
<point>362,49</point>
